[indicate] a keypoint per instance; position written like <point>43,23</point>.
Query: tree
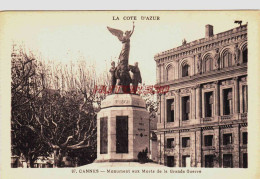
<point>24,93</point>
<point>150,94</point>
<point>67,113</point>
<point>62,105</point>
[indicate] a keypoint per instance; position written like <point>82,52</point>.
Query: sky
<point>69,36</point>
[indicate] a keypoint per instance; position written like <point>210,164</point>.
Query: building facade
<point>202,120</point>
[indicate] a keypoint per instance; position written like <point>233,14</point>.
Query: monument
<point>123,121</point>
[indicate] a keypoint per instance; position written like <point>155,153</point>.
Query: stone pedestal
<point>125,141</point>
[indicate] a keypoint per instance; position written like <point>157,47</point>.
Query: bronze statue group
<point>120,76</point>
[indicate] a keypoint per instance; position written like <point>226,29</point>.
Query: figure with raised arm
<point>122,70</point>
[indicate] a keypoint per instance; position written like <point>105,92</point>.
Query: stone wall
<point>225,72</point>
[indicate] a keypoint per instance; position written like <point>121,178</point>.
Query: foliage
<point>54,106</point>
<point>25,142</point>
<point>142,156</point>
<point>148,93</point>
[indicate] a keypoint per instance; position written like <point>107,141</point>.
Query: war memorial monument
<point>123,121</point>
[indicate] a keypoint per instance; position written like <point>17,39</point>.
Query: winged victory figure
<point>125,39</point>
<point>122,70</point>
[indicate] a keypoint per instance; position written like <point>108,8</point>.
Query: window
<point>244,55</point>
<point>244,137</point>
<point>209,161</point>
<point>208,140</point>
<point>245,98</point>
<point>170,110</point>
<point>185,142</point>
<point>227,161</point>
<point>185,108</point>
<point>185,70</point>
<point>227,139</point>
<point>245,160</point>
<point>209,104</point>
<point>170,73</point>
<point>170,161</point>
<point>227,59</point>
<point>103,135</point>
<point>170,143</point>
<point>208,64</point>
<point>121,134</point>
<point>227,101</point>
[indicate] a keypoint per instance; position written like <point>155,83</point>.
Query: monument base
<point>122,128</point>
<point>123,164</point>
<point>114,160</point>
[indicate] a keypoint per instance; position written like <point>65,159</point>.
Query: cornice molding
<point>203,45</point>
<point>212,76</point>
<point>201,127</point>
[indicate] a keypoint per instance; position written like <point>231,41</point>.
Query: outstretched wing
<point>116,32</point>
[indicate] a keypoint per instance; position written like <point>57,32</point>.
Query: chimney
<point>209,31</point>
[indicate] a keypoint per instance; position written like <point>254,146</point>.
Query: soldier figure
<point>113,77</point>
<point>136,76</point>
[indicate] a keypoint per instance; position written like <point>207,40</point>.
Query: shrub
<point>142,156</point>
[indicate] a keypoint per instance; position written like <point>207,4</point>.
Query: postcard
<point>129,94</point>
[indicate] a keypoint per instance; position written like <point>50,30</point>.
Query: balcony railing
<point>208,147</point>
<point>226,117</point>
<point>207,119</point>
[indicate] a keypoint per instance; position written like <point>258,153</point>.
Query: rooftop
<point>203,40</point>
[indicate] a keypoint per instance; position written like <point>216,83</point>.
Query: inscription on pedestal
<point>141,129</point>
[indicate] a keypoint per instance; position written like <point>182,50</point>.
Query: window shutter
<point>188,106</point>
<point>211,99</point>
<point>229,95</point>
<point>172,106</point>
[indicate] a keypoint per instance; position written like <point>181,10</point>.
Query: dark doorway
<point>227,161</point>
<point>170,161</point>
<point>245,160</point>
<point>209,161</point>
